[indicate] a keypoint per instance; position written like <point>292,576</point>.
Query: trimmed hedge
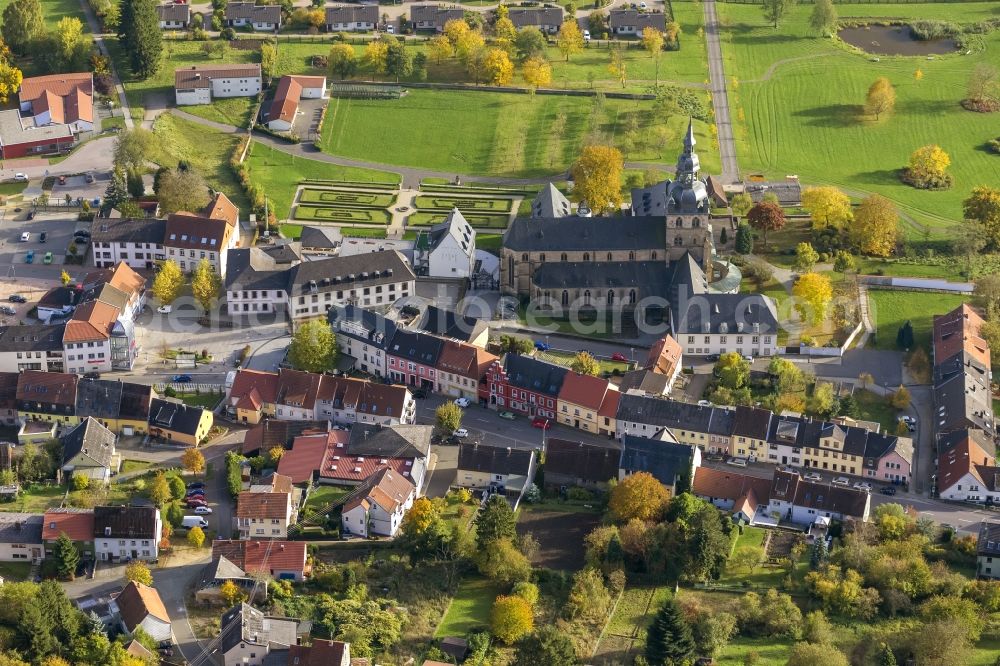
<point>341,198</point>
<point>477,220</point>
<point>360,183</point>
<point>439,203</point>
<point>349,216</point>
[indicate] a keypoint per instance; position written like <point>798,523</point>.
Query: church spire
<point>689,137</point>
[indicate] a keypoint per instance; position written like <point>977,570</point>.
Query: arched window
<point>653,255</point>
<point>524,257</point>
<point>564,256</point>
<point>565,298</point>
<point>586,297</point>
<point>631,296</point>
<point>696,223</point>
<point>678,241</point>
<point>609,256</point>
<point>631,256</point>
<point>679,222</point>
<point>510,271</point>
<point>586,256</point>
<point>611,297</point>
<point>542,257</point>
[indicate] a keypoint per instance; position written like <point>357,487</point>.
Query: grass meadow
<point>892,308</point>
<point>798,105</point>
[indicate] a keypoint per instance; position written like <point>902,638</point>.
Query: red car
<point>194,502</point>
<point>539,422</point>
<point>618,356</point>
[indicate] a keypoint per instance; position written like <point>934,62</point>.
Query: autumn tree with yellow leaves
<point>597,175</point>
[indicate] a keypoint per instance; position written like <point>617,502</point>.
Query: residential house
<point>524,385</point>
<point>257,278</point>
<point>321,653</point>
<point>127,532</point>
<point>550,203</point>
<point>37,432</point>
<point>706,427</point>
<point>795,500</point>
<point>189,239</point>
<point>260,17</point>
<point>379,509</point>
<point>297,394</point>
<point>200,84</point>
<point>434,17</point>
<point>503,470</point>
<point>988,550</point>
<point>32,347</point>
<point>413,359</point>
<point>449,324</point>
<point>967,468</point>
<point>571,463</point>
<point>248,637</point>
<point>89,451</point>
<point>634,21</point>
<point>174,15</point>
<point>579,402</point>
<point>461,368</point>
<point>87,338</point>
<point>364,336</point>
<point>657,375</point>
<point>21,537</point>
<point>122,407</point>
<point>671,463</point>
<point>253,395</point>
<point>411,443</point>
<point>217,573</point>
<point>264,515</point>
<point>47,396</point>
<point>351,18</point>
<point>77,524</point>
<point>179,423</point>
<point>745,497</point>
<point>751,427</point>
<point>546,18</point>
<point>58,303</point>
<point>141,606</point>
<point>8,398</point>
<point>137,242</point>
<point>291,90</point>
<point>271,432</point>
<point>346,401</point>
<point>20,137</point>
<point>961,372</point>
<point>720,323</point>
<point>281,560</point>
<point>59,99</point>
<point>120,287</point>
<point>446,250</point>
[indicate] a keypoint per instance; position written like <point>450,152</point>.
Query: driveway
<point>442,476</point>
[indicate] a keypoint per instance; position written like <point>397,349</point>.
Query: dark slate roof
<point>549,202</point>
<point>963,401</point>
<point>415,346</point>
<point>58,297</point>
<point>394,441</point>
<point>361,324</point>
<point>128,230</point>
<point>450,324</point>
<point>21,527</point>
<point>252,268</point>
<point>100,398</point>
<point>989,539</point>
<point>667,461</point>
<point>353,272</point>
<point>125,522</point>
<point>538,16</point>
<point>252,12</point>
<point>948,441</point>
<point>352,14</point>
<point>136,400</point>
<point>674,414</point>
<point>725,313</point>
<point>91,439</point>
<point>438,14</point>
<point>600,274</point>
<point>174,12</point>
<point>752,422</point>
<point>531,374</point>
<point>618,18</point>
<point>788,486</point>
<point>591,463</point>
<point>321,238</point>
<point>572,233</point>
<point>175,416</point>
<point>33,338</point>
<point>494,459</point>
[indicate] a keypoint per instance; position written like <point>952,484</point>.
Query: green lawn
<point>129,466</point>
<point>207,150</point>
<point>873,407</point>
<point>206,400</point>
<point>492,133</point>
<point>349,199</point>
<point>324,496</point>
<point>478,221</point>
<point>10,189</point>
<point>470,608</point>
<point>341,215</point>
<point>890,309</point>
<point>14,571</point>
<point>806,118</point>
<point>566,358</point>
<point>36,499</point>
<point>279,174</point>
<point>228,110</point>
<point>55,10</point>
<point>440,202</point>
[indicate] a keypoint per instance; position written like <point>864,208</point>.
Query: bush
<point>994,145</point>
<point>81,482</point>
<point>579,494</point>
<point>928,30</point>
<point>170,392</point>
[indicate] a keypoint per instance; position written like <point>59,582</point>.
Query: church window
<point>678,241</point>
<point>586,297</point>
<point>541,257</point>
<point>565,298</point>
<point>611,297</point>
<point>631,256</point>
<point>564,256</point>
<point>631,296</point>
<point>653,255</point>
<point>510,271</point>
<point>696,223</point>
<point>586,256</point>
<point>524,257</point>
<point>609,256</point>
<point>679,222</point>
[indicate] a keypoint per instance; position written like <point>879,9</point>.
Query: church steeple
<point>689,137</point>
<point>686,193</point>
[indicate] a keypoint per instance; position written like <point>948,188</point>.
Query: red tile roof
<point>265,384</point>
<point>55,388</point>
<point>78,524</point>
<point>584,390</point>
<point>67,97</point>
<point>286,99</point>
<point>137,601</point>
<point>387,488</point>
<point>321,653</point>
<point>664,356</point>
<point>126,279</point>
<point>262,505</point>
<point>222,208</point>
<point>960,460</point>
<point>298,388</point>
<point>91,321</point>
<point>307,455</point>
<point>609,408</point>
<point>723,484</point>
<point>960,330</point>
<point>253,556</point>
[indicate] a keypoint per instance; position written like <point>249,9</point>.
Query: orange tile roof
<point>137,601</point>
<point>583,390</point>
<point>262,505</point>
<point>67,97</point>
<point>723,484</point>
<point>664,356</point>
<point>307,455</point>
<point>222,208</point>
<point>264,383</point>
<point>321,653</point>
<point>957,331</point>
<point>78,524</point>
<point>286,99</point>
<point>960,460</point>
<point>253,556</point>
<point>91,321</point>
<point>387,488</point>
<point>297,388</point>
<point>126,279</point>
<point>56,388</point>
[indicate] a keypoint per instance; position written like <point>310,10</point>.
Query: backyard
<point>798,107</point>
<point>890,309</point>
<point>566,358</point>
<point>470,607</point>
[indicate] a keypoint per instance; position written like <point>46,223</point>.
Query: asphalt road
<point>720,98</point>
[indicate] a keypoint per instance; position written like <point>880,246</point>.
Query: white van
<point>194,521</point>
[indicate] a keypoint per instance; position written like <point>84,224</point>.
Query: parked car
<point>586,35</point>
<point>812,476</point>
<point>62,180</point>
<point>507,415</point>
<point>704,403</point>
<point>93,374</point>
<point>25,237</point>
<point>81,240</point>
<point>42,237</point>
<point>541,422</point>
<point>737,462</point>
<point>194,491</point>
<point>193,521</point>
<point>195,502</point>
<point>17,298</point>
<point>47,259</point>
<point>714,457</point>
<point>194,485</point>
<point>7,310</point>
<point>181,379</point>
<point>89,178</point>
<point>863,485</point>
<point>30,257</point>
<point>461,433</point>
<point>203,510</point>
<point>620,357</point>
<point>748,358</point>
<point>888,490</point>
<point>419,394</point>
<point>81,233</point>
<point>462,402</point>
<point>20,178</point>
<point>164,309</point>
<point>841,481</point>
<point>541,346</point>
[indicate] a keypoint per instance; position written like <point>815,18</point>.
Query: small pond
<point>894,40</point>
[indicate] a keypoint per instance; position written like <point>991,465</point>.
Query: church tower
<point>688,225</point>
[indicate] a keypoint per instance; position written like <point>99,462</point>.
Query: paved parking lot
<point>77,187</point>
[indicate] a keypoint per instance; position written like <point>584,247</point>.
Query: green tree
<point>206,286</point>
<point>806,654</point>
<point>268,59</point>
<point>669,641</point>
<point>177,487</point>
<point>548,646</point>
<point>66,555</point>
<point>741,203</point>
<point>805,257</point>
<point>816,628</point>
<point>159,489</point>
<point>501,561</point>
<point>343,60</point>
<point>138,571</point>
<point>116,192</point>
<point>744,238</point>
<point>139,32</point>
<point>823,18</point>
<point>529,43</point>
<point>822,402</point>
<point>22,24</point>
<point>182,190</point>
<point>175,514</point>
<point>448,417</point>
<point>495,521</point>
<point>886,656</point>
<point>589,597</point>
<point>983,207</point>
<point>843,261</point>
<point>196,537</point>
<point>398,59</point>
<point>766,216</point>
<point>511,618</point>
<point>904,336</point>
<point>585,364</point>
<point>72,47</point>
<point>775,10</point>
<point>168,282</point>
<point>313,347</point>
<point>732,370</point>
